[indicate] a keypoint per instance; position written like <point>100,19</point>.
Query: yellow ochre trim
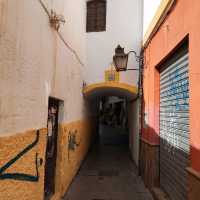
<point>157,20</point>
<point>111,75</point>
<point>131,89</point>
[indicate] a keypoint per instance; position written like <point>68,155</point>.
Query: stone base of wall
<point>194,184</point>
<point>149,164</point>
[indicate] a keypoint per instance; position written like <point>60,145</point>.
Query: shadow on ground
<point>108,173</point>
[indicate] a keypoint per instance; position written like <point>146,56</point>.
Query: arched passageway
<point>110,170</point>
<point>115,109</point>
<point>95,91</point>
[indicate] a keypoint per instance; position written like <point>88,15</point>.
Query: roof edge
<point>160,15</point>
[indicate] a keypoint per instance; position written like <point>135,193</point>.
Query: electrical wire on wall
<point>71,49</point>
<point>55,21</point>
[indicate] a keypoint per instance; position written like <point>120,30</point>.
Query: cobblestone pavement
<point>108,174</point>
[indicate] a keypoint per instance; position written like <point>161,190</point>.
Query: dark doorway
<point>113,118</point>
<point>51,150</point>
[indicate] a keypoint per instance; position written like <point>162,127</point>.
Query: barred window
<point>96,16</point>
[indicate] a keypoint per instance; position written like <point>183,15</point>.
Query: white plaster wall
<point>150,8</point>
<point>124,27</point>
<point>35,64</point>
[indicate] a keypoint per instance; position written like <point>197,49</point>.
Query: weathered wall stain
<point>3,13</point>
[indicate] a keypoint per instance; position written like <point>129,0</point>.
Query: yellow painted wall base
<point>9,148</point>
<point>68,162</point>
<point>67,165</point>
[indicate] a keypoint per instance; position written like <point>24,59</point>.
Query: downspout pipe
<point>140,78</point>
<point>139,96</point>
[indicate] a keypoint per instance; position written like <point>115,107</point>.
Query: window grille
<point>96,16</point>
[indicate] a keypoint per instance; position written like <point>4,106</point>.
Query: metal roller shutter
<point>174,128</point>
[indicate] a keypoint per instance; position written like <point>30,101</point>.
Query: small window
<point>96,16</point>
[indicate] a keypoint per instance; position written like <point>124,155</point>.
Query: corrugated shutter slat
<point>174,128</point>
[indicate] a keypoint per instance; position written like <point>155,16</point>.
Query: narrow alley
<point>108,173</point>
<point>99,100</point>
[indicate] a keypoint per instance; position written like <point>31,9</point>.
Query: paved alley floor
<point>108,174</point>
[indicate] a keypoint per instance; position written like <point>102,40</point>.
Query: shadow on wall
<point>168,165</point>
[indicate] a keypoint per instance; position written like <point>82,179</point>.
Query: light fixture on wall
<point>120,59</point>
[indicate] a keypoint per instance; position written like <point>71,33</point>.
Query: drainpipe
<point>140,97</point>
<point>140,79</point>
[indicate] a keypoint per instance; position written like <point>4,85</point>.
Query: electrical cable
<point>45,8</point>
<point>61,36</point>
<point>70,48</point>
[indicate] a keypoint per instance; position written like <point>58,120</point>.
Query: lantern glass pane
<point>121,62</point>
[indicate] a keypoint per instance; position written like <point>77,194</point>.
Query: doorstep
<point>159,194</point>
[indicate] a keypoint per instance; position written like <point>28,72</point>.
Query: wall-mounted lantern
<point>120,59</point>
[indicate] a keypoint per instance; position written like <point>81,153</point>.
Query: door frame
<point>59,116</point>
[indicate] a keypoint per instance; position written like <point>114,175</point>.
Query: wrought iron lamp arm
<point>138,59</point>
<point>133,52</point>
<point>135,69</point>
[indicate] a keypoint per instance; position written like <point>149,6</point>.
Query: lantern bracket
<point>138,59</point>
<point>119,52</point>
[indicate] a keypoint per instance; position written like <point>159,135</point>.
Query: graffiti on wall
<point>174,106</point>
<point>22,176</point>
<point>72,142</point>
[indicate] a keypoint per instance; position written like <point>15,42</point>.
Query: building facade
<point>170,134</point>
<point>119,30</point>
<point>124,20</point>
<point>48,62</point>
<point>41,81</point>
